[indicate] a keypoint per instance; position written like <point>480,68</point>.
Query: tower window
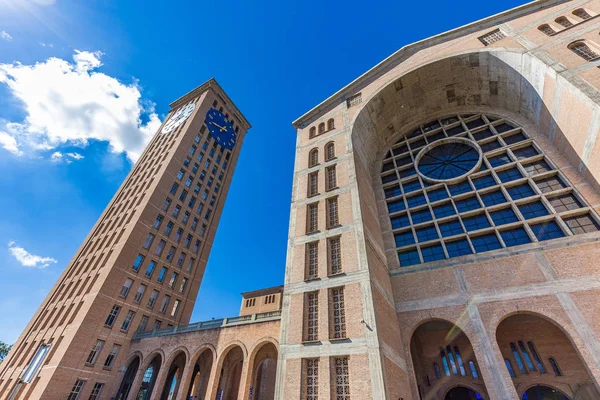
<point>335,255</point>
<point>330,178</point>
<point>321,127</point>
<point>547,29</point>
<point>582,13</point>
<point>329,151</point>
<point>584,51</point>
<point>564,22</point>
<point>313,183</point>
<point>332,212</point>
<point>313,157</point>
<point>311,325</point>
<point>554,365</point>
<point>311,379</point>
<point>342,378</point>
<point>95,352</point>
<point>338,316</point>
<point>312,217</point>
<point>312,132</point>
<point>76,390</point>
<point>112,316</point>
<point>312,260</point>
<point>330,124</point>
<point>492,37</point>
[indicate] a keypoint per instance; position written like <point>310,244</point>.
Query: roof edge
<point>214,85</point>
<point>258,292</point>
<point>351,88</point>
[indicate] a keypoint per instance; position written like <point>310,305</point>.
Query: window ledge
<point>107,368</point>
<point>339,340</point>
<point>312,279</point>
<point>336,275</point>
<point>311,342</point>
<point>89,365</point>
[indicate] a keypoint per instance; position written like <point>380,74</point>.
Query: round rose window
<point>448,159</point>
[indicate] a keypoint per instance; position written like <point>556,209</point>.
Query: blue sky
<point>84,84</point>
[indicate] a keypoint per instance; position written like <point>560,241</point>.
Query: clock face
<point>178,118</point>
<point>220,128</point>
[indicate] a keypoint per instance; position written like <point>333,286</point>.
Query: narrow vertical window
<point>547,29</point>
<point>175,308</point>
<point>517,357</point>
<point>112,316</point>
<point>143,323</point>
<point>152,298</point>
<point>461,366</point>
<point>329,151</point>
<point>127,321</point>
<point>321,127</point>
<point>311,379</point>
<point>126,287</point>
<point>445,362</point>
<point>313,183</point>
<point>334,251</point>
<point>312,217</point>
<point>311,326</point>
<point>554,366</point>
<point>564,21</point>
<point>330,124</point>
<point>536,357</point>
<point>436,371</point>
<point>451,358</point>
<point>139,294</point>
<point>313,157</point>
<point>511,371</point>
<point>342,378</point>
<point>312,260</point>
<point>338,313</point>
<point>96,390</point>
<point>112,356</point>
<point>76,391</point>
<point>473,370</point>
<point>95,352</point>
<point>332,212</point>
<point>312,132</point>
<point>165,303</point>
<point>330,178</point>
<point>148,241</point>
<point>525,353</point>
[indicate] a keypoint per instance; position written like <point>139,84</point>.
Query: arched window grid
<point>510,369</point>
<point>313,157</point>
<point>517,358</point>
<point>564,22</point>
<point>582,13</point>
<point>554,365</point>
<point>452,362</point>
<point>329,151</point>
<point>584,50</point>
<point>526,357</point>
<point>312,132</point>
<point>459,360</point>
<point>547,29</point>
<point>330,124</point>
<point>536,357</point>
<point>321,127</point>
<point>445,362</point>
<point>473,368</point>
<point>436,221</point>
<point>436,370</point>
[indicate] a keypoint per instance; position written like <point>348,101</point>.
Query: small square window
<point>565,202</point>
<point>389,178</point>
<point>581,224</point>
<point>396,206</point>
<point>433,253</point>
<point>437,194</point>
<point>515,237</point>
<point>400,221</point>
<point>520,191</point>
<point>468,204</point>
<point>455,131</point>
<point>484,181</point>
<point>404,238</point>
<point>427,233</point>
<point>388,166</point>
<point>443,210</point>
<point>486,243</point>
<point>392,191</point>
<point>475,123</point>
<point>503,127</point>
<point>525,152</point>
<point>400,162</point>
<point>476,222</point>
<point>417,144</point>
<point>516,138</point>
<point>491,145</point>
<point>450,228</point>
<point>420,216</point>
<point>547,231</point>
<point>550,184</point>
<point>458,248</point>
<point>415,201</point>
<point>435,136</point>
<point>504,216</point>
<point>484,134</point>
<point>537,167</point>
<point>411,186</point>
<point>499,160</point>
<point>409,257</point>
<point>493,198</point>
<point>405,173</point>
<point>533,210</point>
<point>511,174</point>
<point>460,188</point>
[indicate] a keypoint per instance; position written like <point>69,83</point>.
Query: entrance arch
<point>149,378</point>
<point>200,376</point>
<point>443,358</point>
<point>263,374</point>
<point>174,375</point>
<point>128,378</point>
<point>544,393</point>
<point>462,393</point>
<point>539,355</point>
<point>231,373</point>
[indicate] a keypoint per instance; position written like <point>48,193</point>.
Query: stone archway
<point>537,353</point>
<point>263,374</point>
<point>231,374</point>
<point>462,393</point>
<point>149,378</point>
<point>443,358</point>
<point>174,375</point>
<point>200,376</point>
<point>128,378</point>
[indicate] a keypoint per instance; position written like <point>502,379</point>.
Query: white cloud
<point>9,143</point>
<point>5,36</point>
<point>75,156</point>
<point>56,157</point>
<point>71,103</point>
<point>46,44</point>
<point>27,259</point>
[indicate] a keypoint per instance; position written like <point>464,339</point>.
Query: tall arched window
<point>473,370</point>
<point>547,29</point>
<point>313,157</point>
<point>554,365</point>
<point>330,124</point>
<point>322,127</point>
<point>564,21</point>
<point>312,132</point>
<point>581,13</point>
<point>511,371</point>
<point>436,369</point>
<point>329,151</point>
<point>583,50</point>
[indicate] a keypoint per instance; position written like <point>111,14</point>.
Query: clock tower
<point>141,266</point>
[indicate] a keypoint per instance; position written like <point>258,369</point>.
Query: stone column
<point>160,382</point>
<point>495,376</point>
<point>186,378</point>
<point>212,387</point>
<point>137,382</point>
<point>246,379</point>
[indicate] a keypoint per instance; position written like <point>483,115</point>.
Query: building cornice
<point>214,85</point>
<point>363,80</point>
<point>263,292</point>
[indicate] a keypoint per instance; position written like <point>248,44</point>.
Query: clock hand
<point>220,127</point>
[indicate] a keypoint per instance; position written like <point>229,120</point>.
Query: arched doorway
<point>264,371</point>
<point>174,375</point>
<point>543,393</point>
<point>443,357</point>
<point>537,353</point>
<point>462,393</point>
<point>128,378</point>
<point>231,373</point>
<point>200,376</point>
<point>149,378</point>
